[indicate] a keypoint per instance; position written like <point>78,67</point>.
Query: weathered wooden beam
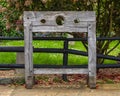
<point>61,71</point>
<point>72,21</point>
<point>28,55</point>
<point>92,54</point>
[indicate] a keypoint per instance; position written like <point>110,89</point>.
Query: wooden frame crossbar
<point>71,21</point>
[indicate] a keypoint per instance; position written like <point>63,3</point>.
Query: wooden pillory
<point>74,21</point>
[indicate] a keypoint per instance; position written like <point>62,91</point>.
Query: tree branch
<point>113,47</point>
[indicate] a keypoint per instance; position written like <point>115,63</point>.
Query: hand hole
<point>60,20</point>
<point>76,21</point>
<point>43,21</point>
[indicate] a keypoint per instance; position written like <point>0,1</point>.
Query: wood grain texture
<point>73,21</point>
<point>50,25</point>
<point>58,29</point>
<point>92,54</point>
<point>60,71</point>
<point>28,56</point>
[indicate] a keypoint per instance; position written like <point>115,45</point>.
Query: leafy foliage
<point>107,12</point>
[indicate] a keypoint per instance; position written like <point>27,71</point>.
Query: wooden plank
<point>66,23</point>
<point>57,29</point>
<point>60,71</point>
<point>28,56</point>
<point>51,15</point>
<point>92,54</point>
<point>50,25</point>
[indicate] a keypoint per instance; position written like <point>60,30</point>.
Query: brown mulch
<point>112,75</point>
<point>104,76</point>
<point>7,73</point>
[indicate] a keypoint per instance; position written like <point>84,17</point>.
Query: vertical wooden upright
<point>28,55</point>
<point>92,54</point>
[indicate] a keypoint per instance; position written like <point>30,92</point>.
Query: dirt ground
<point>108,84</point>
<point>103,90</point>
<point>104,76</point>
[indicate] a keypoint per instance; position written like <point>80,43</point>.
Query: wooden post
<point>20,60</point>
<point>28,56</point>
<point>92,54</point>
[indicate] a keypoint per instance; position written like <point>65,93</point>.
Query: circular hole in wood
<point>60,20</point>
<point>76,21</point>
<point>43,21</point>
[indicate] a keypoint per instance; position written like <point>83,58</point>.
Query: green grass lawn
<point>50,58</point>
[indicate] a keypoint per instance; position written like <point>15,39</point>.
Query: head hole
<point>60,20</point>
